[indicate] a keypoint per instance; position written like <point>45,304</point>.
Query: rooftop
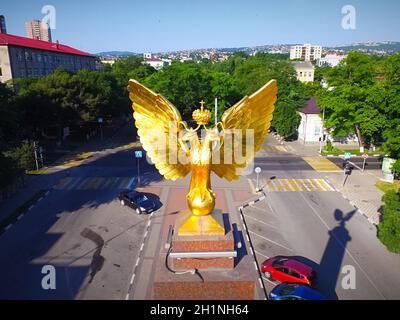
<point>302,65</point>
<point>8,39</point>
<point>311,107</point>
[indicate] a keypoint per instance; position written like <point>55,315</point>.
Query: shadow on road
<point>329,268</point>
<point>25,247</point>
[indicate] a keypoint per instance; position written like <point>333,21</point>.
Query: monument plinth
<point>203,278</point>
<point>201,261</point>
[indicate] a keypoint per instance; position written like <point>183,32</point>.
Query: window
<point>293,273</point>
<point>19,55</point>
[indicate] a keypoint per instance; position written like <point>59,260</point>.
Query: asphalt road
<point>372,163</point>
<point>94,243</point>
<point>323,230</point>
<point>81,229</point>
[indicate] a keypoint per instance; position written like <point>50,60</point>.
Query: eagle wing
<point>159,126</point>
<point>254,113</point>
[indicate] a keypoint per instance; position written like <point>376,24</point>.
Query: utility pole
<point>216,110</point>
<point>321,141</point>
<point>36,156</point>
<point>258,171</point>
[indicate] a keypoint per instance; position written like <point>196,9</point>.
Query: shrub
<point>389,228</point>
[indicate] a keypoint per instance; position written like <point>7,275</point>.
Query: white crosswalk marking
<point>298,185</point>
<point>92,183</point>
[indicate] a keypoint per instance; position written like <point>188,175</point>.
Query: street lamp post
<point>258,171</point>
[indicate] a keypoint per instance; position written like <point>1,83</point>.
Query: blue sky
<point>156,25</point>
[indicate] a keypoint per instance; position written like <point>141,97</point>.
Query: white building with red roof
<point>22,57</point>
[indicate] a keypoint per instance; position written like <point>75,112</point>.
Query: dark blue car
<point>295,291</point>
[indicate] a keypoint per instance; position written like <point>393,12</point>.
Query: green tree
<point>257,71</point>
<point>24,156</point>
<point>131,68</point>
<point>355,104</point>
<point>185,85</point>
<point>389,228</point>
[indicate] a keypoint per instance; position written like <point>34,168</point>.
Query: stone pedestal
<point>204,241</point>
<point>216,278</point>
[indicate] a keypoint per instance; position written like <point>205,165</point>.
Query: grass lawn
<point>337,152</point>
<point>386,186</point>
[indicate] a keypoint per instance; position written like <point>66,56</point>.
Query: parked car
<point>138,201</point>
<point>286,269</point>
<point>295,291</point>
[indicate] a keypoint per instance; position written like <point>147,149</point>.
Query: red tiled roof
<point>311,107</point>
<point>8,39</point>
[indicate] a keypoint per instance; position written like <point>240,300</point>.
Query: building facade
<point>330,60</point>
<point>306,52</point>
<point>311,126</point>
<point>38,30</point>
<point>3,28</point>
<point>22,57</point>
<point>305,70</point>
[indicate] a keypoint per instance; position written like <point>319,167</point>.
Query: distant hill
<point>387,47</point>
<point>117,54</point>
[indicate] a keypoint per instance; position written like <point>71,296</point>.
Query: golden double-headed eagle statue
<point>176,149</point>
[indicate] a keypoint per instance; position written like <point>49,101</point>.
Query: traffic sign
<point>365,156</point>
<point>138,154</point>
<point>347,156</point>
<point>258,170</point>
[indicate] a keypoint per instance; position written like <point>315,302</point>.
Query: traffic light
<point>348,169</point>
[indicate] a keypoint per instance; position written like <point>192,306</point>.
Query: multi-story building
<point>23,57</point>
<point>38,30</point>
<point>3,28</point>
<point>305,70</point>
<point>331,60</point>
<point>306,52</point>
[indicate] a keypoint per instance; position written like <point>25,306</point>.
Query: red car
<point>286,269</point>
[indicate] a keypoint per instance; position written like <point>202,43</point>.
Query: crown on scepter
<point>201,116</point>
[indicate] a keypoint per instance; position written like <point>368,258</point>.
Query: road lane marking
<point>132,278</point>
<point>326,184</point>
<point>309,183</point>
<point>322,164</point>
<point>320,186</point>
<point>260,254</point>
<point>294,185</point>
<point>299,185</point>
<point>260,221</point>
<point>272,241</point>
<point>129,186</point>
<point>271,282</point>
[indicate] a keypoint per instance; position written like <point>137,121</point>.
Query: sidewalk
<point>301,149</point>
<point>52,174</point>
<point>360,190</point>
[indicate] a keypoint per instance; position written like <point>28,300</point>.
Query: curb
<point>252,202</point>
<point>252,249</point>
<point>22,214</point>
<point>359,210</point>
